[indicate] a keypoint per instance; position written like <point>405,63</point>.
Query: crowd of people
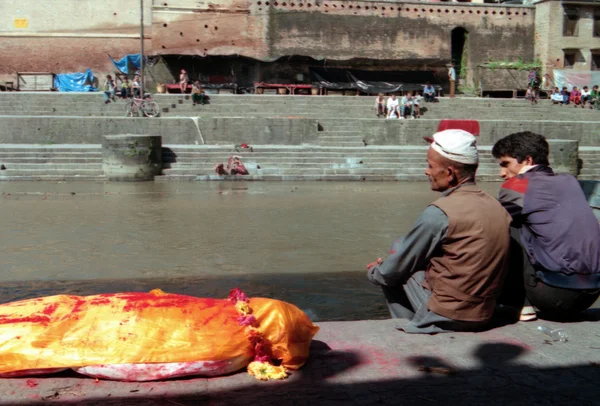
<point>534,250</point>
<point>128,88</point>
<point>577,98</point>
<point>409,106</point>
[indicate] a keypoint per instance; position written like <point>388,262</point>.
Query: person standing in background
<point>452,79</point>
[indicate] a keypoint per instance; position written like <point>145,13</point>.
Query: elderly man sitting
<point>447,272</point>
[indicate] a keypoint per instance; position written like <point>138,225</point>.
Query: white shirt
<point>585,93</point>
<point>452,74</point>
<point>416,100</point>
<point>557,97</point>
<point>391,103</point>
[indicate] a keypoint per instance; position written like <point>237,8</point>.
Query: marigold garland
<point>261,367</point>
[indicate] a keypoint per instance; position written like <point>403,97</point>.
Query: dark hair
<point>521,145</point>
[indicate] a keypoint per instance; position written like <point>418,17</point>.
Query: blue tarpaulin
<point>75,82</point>
<point>128,63</point>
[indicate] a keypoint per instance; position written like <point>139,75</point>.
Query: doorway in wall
<point>459,48</point>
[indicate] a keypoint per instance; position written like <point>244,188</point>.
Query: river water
<point>307,243</point>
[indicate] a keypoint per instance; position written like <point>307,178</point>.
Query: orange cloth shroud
<point>128,328</point>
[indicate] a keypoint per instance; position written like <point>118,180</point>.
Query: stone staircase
<point>591,163</point>
<point>50,162</point>
<point>268,162</point>
<point>346,124</point>
<point>325,107</point>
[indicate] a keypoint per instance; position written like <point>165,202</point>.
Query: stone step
<point>45,160</point>
<point>43,167</point>
<point>241,98</point>
<point>50,155</point>
<point>53,172</point>
<point>320,171</point>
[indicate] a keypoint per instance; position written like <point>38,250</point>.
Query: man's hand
<point>372,264</point>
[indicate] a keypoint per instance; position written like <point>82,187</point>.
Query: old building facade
<point>280,39</point>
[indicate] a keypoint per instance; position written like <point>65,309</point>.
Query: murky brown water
<point>307,243</point>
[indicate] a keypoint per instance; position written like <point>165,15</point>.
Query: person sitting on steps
<point>183,81</point>
<point>429,93</point>
<point>417,105</point>
<point>566,96</point>
<point>407,105</point>
<point>393,107</point>
<point>530,95</point>
<point>556,97</point>
<point>136,87</point>
<point>554,261</point>
<point>380,105</point>
<point>198,94</point>
<point>585,96</point>
<point>109,89</point>
<point>125,88</point>
<point>447,272</point>
<point>575,97</point>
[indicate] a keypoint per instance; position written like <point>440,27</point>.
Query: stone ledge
<point>369,363</point>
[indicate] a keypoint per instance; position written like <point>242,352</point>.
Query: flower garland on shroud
<point>262,366</point>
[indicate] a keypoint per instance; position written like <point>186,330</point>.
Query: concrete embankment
<point>265,131</point>
<point>372,363</point>
<point>340,134</point>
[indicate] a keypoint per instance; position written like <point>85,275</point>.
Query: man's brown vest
<point>466,278</point>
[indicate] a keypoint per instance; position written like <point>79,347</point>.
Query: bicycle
<point>147,106</point>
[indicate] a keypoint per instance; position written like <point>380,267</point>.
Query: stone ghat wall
<point>263,131</point>
<point>80,34</point>
<point>213,131</point>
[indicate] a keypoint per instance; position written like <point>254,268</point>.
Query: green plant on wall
<point>518,64</point>
<point>464,59</point>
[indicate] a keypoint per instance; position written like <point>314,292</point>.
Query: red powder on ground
<point>100,301</point>
<point>50,309</point>
<point>31,319</point>
<point>31,383</point>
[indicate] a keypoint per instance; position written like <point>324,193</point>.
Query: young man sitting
<point>417,105</point>
<point>125,88</point>
<point>555,259</point>
<point>407,105</point>
<point>530,95</point>
<point>594,97</point>
<point>556,97</point>
<point>585,96</point>
<point>566,95</point>
<point>429,93</point>
<point>392,107</point>
<point>380,105</point>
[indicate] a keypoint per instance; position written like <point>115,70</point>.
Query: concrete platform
<point>370,362</point>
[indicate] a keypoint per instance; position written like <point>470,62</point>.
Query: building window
<point>571,22</point>
<point>597,22</point>
<point>569,58</point>
<point>596,60</point>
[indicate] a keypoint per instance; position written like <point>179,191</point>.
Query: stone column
<point>564,156</point>
<point>131,157</point>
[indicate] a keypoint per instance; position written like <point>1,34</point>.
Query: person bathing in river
<point>447,272</point>
<point>234,167</point>
<point>554,263</point>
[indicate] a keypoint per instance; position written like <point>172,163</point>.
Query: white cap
<point>456,145</point>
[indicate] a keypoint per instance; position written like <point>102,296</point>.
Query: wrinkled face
<point>437,171</point>
<point>510,167</point>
